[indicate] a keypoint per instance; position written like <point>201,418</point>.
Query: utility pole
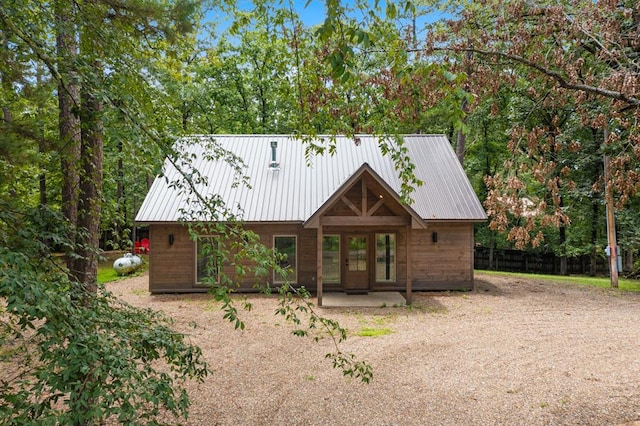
<point>611,220</point>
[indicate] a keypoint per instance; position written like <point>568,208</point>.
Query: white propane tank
<point>127,264</point>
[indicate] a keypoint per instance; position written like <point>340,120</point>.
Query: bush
<point>74,357</point>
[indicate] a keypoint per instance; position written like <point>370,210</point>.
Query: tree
<point>579,51</point>
<point>240,84</point>
<point>74,357</point>
<point>85,356</point>
<point>555,52</point>
<point>68,119</point>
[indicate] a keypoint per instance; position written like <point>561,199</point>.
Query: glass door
<point>356,266</point>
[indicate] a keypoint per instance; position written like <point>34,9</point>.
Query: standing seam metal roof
<point>297,190</point>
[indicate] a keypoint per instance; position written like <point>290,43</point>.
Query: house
<point>338,217</point>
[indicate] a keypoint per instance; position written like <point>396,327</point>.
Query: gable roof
<point>364,170</point>
<point>294,192</point>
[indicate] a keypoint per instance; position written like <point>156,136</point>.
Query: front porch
<point>363,242</point>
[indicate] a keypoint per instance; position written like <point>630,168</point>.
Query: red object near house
<point>145,245</point>
<point>137,247</point>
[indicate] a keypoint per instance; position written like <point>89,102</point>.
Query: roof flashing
<point>274,165</point>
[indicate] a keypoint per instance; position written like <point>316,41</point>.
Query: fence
<point>541,263</point>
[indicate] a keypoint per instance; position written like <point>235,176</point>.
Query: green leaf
<point>449,76</point>
<point>391,12</point>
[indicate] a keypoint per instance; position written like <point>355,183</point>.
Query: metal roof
<point>302,184</point>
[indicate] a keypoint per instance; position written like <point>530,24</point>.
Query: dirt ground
<point>515,351</point>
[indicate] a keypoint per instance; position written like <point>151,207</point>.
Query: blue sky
<point>314,13</point>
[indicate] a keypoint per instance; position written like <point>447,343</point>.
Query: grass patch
<point>624,284</point>
<point>106,274</point>
<point>373,332</point>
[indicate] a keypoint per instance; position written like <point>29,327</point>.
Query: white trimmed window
<point>286,245</point>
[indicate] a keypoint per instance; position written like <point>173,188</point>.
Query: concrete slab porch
<point>376,299</point>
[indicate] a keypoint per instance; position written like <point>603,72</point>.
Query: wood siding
<point>171,266</point>
<point>443,265</point>
<point>363,209</point>
<point>446,264</point>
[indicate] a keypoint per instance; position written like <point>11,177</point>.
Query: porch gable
<point>365,199</point>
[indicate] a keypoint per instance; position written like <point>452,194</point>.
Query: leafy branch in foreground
<point>83,357</point>
<point>295,301</point>
<point>242,248</point>
<point>229,254</point>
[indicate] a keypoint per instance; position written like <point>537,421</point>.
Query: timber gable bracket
<point>365,199</point>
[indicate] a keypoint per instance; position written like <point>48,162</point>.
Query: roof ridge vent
<point>274,165</point>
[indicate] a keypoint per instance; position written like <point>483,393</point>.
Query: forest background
<point>534,96</point>
<point>523,93</point>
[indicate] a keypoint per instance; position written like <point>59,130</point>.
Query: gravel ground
<point>514,351</point>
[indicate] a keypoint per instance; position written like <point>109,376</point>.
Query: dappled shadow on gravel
<point>516,287</point>
<point>513,351</point>
<point>164,298</point>
<point>486,287</point>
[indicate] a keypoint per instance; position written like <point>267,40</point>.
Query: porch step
<point>376,299</point>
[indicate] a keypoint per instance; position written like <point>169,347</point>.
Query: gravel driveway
<point>514,351</point>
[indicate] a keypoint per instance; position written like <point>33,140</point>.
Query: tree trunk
<point>461,141</point>
<point>43,189</point>
<point>185,117</point>
<point>594,238</point>
<point>42,144</point>
<point>6,117</point>
<point>68,105</point>
<point>121,218</point>
<point>6,86</point>
<point>563,254</point>
<point>89,206</point>
<point>611,220</point>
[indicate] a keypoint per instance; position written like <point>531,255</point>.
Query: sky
<point>313,13</point>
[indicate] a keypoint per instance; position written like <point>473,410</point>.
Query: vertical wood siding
<point>446,264</point>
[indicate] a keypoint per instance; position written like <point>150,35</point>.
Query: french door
<point>356,263</point>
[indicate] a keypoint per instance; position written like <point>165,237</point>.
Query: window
<point>331,258</point>
<point>385,257</point>
<point>357,259</point>
<point>286,246</point>
<point>207,263</point>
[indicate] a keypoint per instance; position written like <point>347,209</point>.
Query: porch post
<point>319,263</point>
<point>409,267</point>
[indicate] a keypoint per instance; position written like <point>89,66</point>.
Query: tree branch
<point>633,101</point>
<point>38,50</point>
